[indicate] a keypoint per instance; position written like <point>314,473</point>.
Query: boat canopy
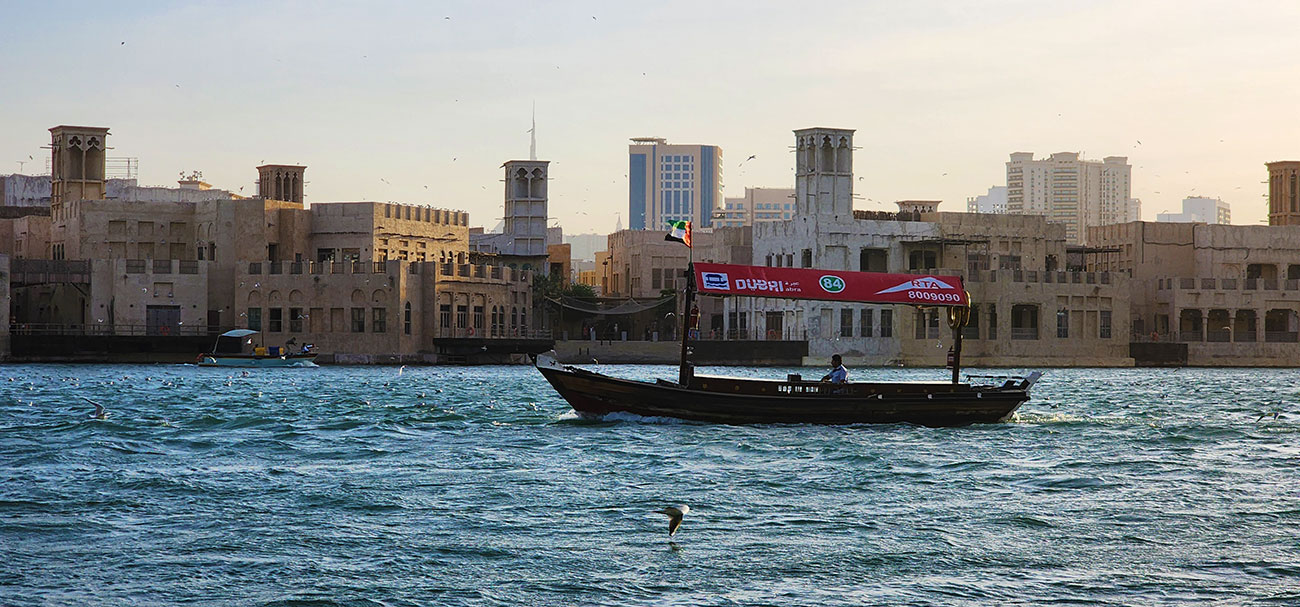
<point>239,333</point>
<point>832,285</point>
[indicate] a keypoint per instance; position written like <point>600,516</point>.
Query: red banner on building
<point>833,285</point>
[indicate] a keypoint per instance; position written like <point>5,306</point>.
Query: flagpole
<point>684,371</point>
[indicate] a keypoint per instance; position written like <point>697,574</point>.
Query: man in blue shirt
<point>838,374</point>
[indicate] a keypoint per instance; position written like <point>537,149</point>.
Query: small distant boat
<point>732,400</point>
<point>261,356</point>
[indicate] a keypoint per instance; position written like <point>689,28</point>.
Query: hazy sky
<point>433,97</point>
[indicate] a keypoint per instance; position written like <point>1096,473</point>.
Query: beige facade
<point>355,278</point>
<point>390,307</point>
<point>1231,293</point>
<point>642,263</point>
<point>757,205</point>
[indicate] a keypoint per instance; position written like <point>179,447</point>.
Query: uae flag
<point>680,231</point>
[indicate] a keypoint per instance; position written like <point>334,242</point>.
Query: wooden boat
<point>261,357</point>
<point>735,400</point>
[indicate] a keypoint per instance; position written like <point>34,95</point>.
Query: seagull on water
<point>100,412</point>
<point>675,515</point>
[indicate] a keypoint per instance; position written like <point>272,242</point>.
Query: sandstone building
<point>358,279</point>
<point>1230,294</point>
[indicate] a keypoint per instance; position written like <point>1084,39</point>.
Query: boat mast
<point>958,316</point>
<point>684,372</point>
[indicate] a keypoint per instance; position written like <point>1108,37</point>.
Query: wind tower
<point>77,164</point>
<point>1283,193</point>
<point>280,182</point>
<point>824,173</point>
<point>526,206</point>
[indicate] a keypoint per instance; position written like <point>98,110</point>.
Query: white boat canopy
<point>239,333</point>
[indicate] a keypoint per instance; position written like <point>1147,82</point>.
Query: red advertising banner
<point>833,285</point>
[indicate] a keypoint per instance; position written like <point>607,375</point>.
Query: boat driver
<point>838,374</point>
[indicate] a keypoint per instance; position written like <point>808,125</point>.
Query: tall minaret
<point>824,173</point>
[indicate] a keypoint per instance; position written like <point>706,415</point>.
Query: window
<point>379,320</point>
<point>993,322</point>
<point>807,258</point>
<point>444,316</point>
<point>922,260</point>
<point>886,323</point>
<point>1024,321</point>
<point>462,317</point>
<point>276,323</point>
<point>866,323</point>
<point>255,319</point>
<point>406,319</point>
<point>295,320</point>
<point>358,320</point>
<point>846,322</point>
<point>873,260</point>
<point>1103,330</point>
<point>1062,324</point>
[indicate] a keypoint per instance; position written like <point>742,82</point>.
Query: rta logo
<point>831,284</point>
<point>716,280</point>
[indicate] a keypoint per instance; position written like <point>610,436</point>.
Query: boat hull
<point>248,360</point>
<point>741,401</point>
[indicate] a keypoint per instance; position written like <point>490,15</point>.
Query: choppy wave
<point>480,486</point>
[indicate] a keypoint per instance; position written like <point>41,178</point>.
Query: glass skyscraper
<point>669,182</point>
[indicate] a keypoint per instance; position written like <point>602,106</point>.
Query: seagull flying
<point>101,413</point>
<point>674,517</point>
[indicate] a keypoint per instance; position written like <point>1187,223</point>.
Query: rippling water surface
<point>479,486</point>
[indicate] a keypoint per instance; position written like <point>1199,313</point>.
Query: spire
<point>532,146</point>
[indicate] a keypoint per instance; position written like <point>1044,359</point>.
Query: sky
<point>421,102</point>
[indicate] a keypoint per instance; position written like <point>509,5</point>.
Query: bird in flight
<point>675,515</point>
<point>100,412</point>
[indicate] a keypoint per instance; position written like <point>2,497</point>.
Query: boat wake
<point>618,416</point>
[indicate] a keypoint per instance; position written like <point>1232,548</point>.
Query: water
<point>478,486</point>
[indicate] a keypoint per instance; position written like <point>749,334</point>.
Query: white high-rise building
<point>995,201</point>
<point>1071,191</point>
<point>1202,209</point>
